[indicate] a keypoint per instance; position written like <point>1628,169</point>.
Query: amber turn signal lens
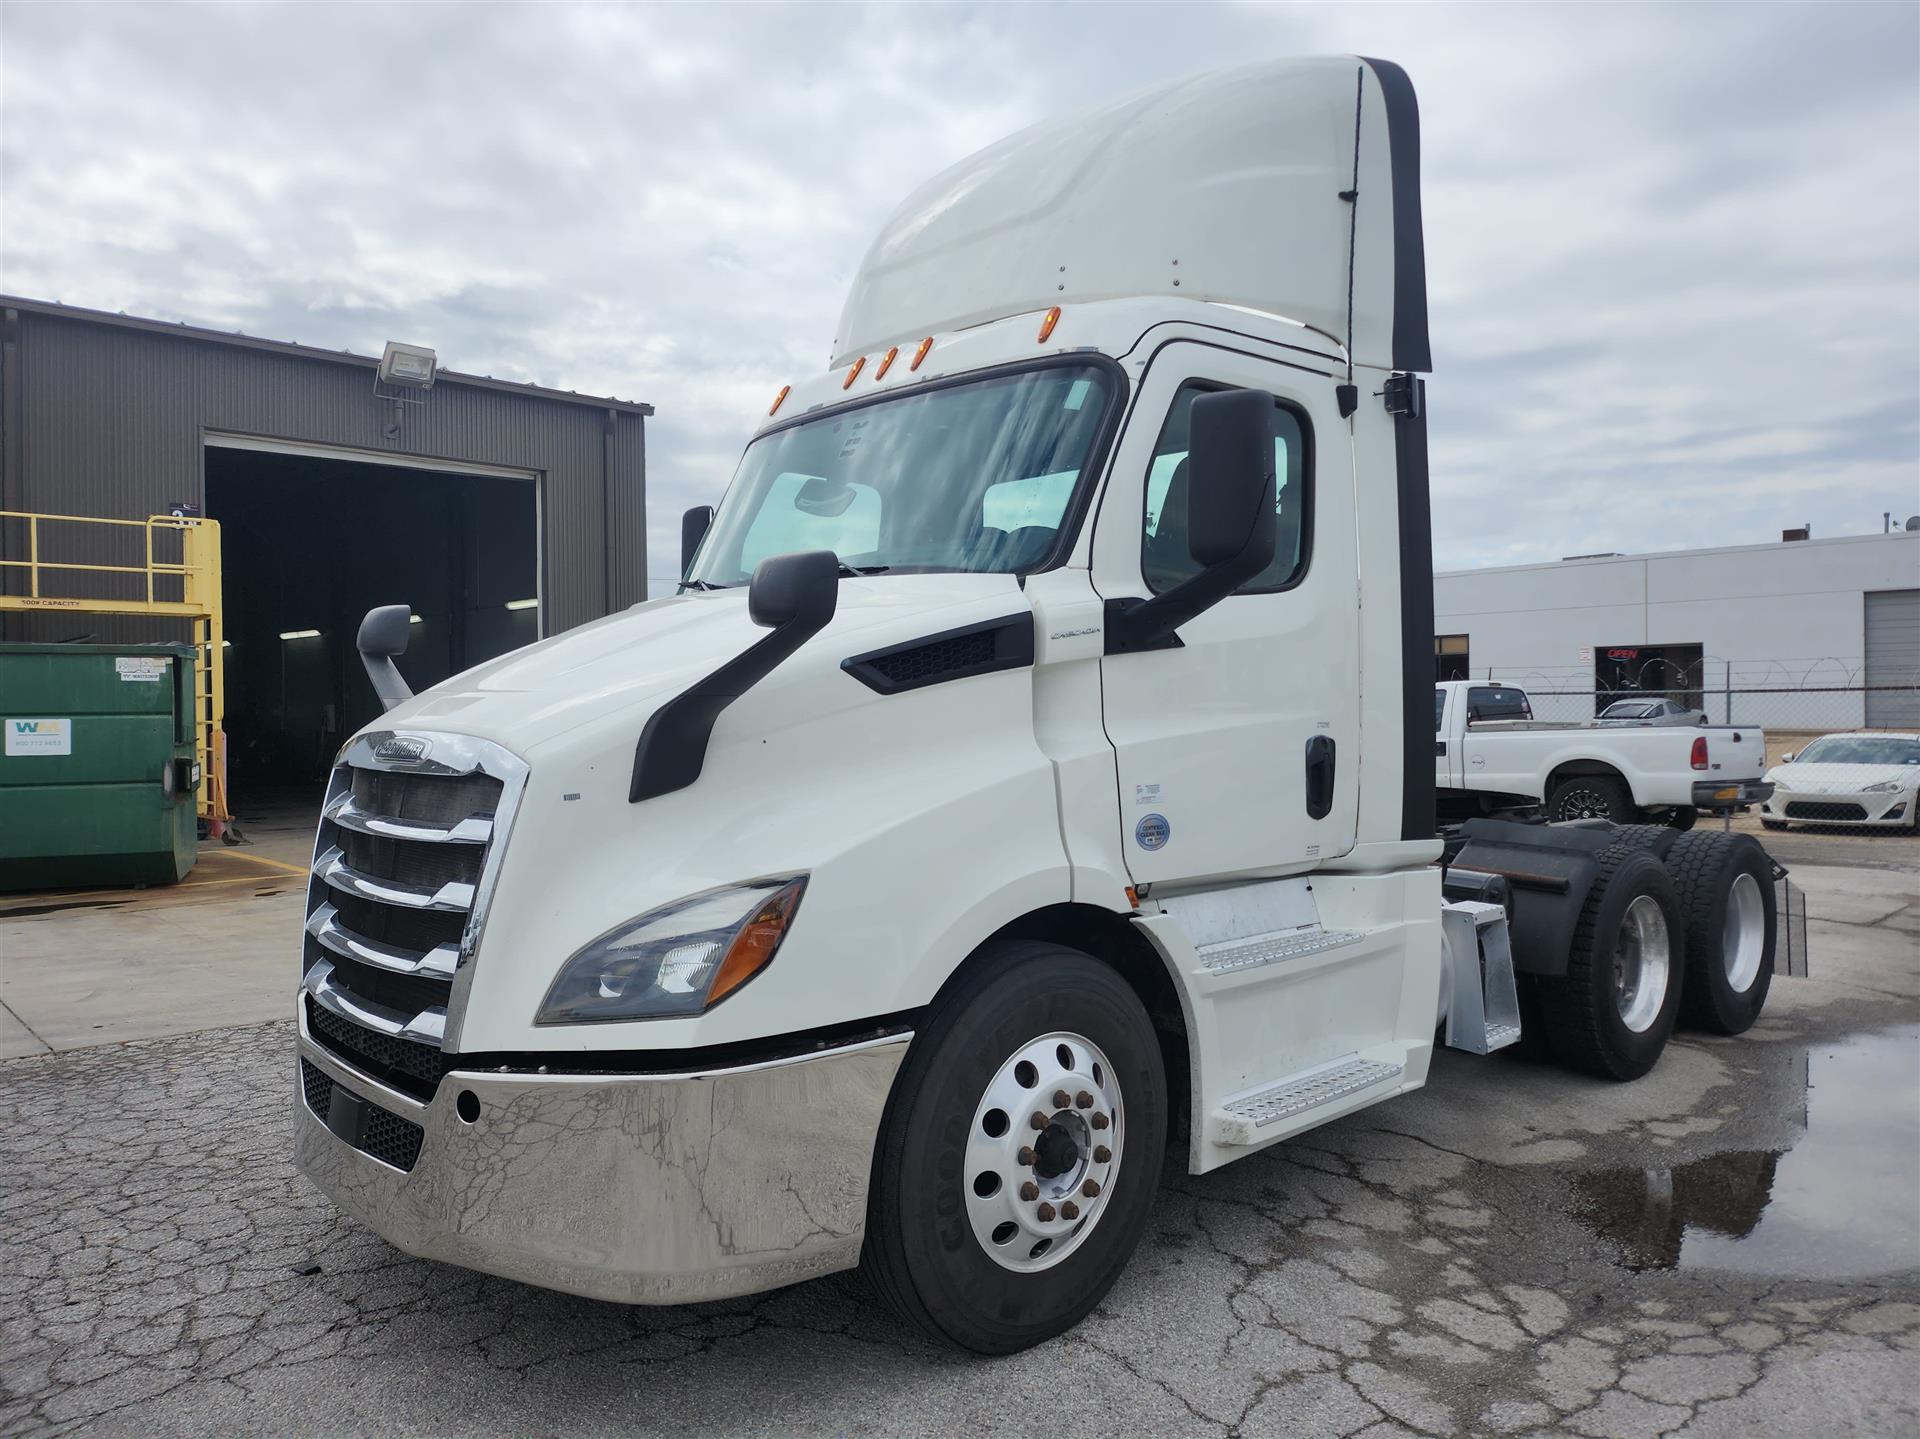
<point>886,364</point>
<point>779,399</point>
<point>921,353</point>
<point>1046,325</point>
<point>753,947</point>
<point>854,373</point>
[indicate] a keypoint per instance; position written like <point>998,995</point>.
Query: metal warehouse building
<point>499,512</point>
<point>1801,635</point>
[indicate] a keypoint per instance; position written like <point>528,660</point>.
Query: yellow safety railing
<point>187,588</point>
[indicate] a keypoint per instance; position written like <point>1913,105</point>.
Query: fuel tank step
<point>1241,1120</point>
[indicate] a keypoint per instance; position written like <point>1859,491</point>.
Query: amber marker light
<point>1046,325</point>
<point>854,373</point>
<point>753,947</point>
<point>921,353</point>
<point>779,399</point>
<point>886,364</point>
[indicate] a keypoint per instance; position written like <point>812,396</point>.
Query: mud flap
<point>1790,919</point>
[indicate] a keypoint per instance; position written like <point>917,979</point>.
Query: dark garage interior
<point>311,544</point>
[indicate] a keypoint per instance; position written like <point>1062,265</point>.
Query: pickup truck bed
<point>1584,771</point>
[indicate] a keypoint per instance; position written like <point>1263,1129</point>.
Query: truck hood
<point>637,659</point>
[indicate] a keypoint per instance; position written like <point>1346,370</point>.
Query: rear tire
<point>949,1268</point>
<point>1727,904</point>
<point>1591,796</point>
<point>1610,1014</point>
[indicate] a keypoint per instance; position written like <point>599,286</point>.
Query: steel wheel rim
<point>1034,1194</point>
<point>1743,940</point>
<point>1642,963</point>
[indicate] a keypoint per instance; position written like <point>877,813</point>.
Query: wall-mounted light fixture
<point>299,634</point>
<point>522,604</point>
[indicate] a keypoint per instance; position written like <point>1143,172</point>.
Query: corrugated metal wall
<point>103,419</point>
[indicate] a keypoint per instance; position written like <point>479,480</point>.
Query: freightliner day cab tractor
<point>1032,772</point>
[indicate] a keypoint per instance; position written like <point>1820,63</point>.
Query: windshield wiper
<point>704,585</point>
<point>856,570</point>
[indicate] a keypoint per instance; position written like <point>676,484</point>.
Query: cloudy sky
<point>1674,253</point>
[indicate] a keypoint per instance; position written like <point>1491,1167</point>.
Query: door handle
<point>1319,776</point>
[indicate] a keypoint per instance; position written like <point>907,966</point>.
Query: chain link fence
<point>1793,700</point>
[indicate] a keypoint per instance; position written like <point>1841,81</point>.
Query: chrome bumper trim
<point>642,1189</point>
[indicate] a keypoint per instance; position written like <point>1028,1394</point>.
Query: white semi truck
<point>1031,772</point>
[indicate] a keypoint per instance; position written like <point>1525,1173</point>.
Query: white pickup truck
<point>1490,753</point>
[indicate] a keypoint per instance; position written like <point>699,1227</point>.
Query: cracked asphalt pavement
<point>1727,1247</point>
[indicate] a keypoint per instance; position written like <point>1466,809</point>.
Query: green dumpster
<point>97,774</point>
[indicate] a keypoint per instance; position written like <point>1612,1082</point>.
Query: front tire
<point>1727,902</point>
<point>1611,1013</point>
<point>985,1229</point>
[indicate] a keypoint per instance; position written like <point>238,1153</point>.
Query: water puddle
<point>1842,1200</point>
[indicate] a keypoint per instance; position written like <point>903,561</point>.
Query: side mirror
<point>1787,758</point>
<point>793,597</point>
<point>694,525</point>
<point>1232,527</point>
<point>383,635</point>
<point>1230,482</point>
<point>798,589</point>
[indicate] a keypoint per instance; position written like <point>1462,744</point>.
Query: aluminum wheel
<point>1043,1152</point>
<point>1642,963</point>
<point>1584,803</point>
<point>1743,942</point>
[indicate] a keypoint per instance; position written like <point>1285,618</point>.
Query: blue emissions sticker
<point>1152,831</point>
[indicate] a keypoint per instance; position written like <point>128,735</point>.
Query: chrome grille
<point>407,854</point>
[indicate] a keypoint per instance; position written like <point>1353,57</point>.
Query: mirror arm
<point>673,747</point>
<point>383,634</point>
<point>1134,624</point>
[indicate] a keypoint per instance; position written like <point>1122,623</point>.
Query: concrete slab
<point>102,966</point>
<point>16,1040</point>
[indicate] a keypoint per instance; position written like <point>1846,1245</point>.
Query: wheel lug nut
<point>1026,1156</point>
<point>1099,1121</point>
<point>1038,1121</point>
<point>1045,1212</point>
<point>1029,1191</point>
<point>1102,1154</point>
<point>1069,1210</point>
<point>1091,1189</point>
<point>1083,1100</point>
<point>1059,1099</point>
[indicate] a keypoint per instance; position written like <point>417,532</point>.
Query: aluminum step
<point>1238,954</point>
<point>1241,1120</point>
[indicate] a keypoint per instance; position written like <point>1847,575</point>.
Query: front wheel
<point>1021,1151</point>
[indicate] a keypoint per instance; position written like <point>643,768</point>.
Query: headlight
<point>682,958</point>
<point>1885,787</point>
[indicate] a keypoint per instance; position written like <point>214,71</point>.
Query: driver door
<point>1238,749</point>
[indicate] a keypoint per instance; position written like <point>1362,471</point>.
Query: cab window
<point>1496,702</point>
<point>1164,559</point>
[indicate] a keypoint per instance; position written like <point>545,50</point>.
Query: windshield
<point>1629,709</point>
<point>1860,749</point>
<point>977,477</point>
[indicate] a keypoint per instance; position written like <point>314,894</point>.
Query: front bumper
<point>1855,808</point>
<point>644,1189</point>
<point>1717,795</point>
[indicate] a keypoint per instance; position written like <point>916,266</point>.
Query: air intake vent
<point>980,649</point>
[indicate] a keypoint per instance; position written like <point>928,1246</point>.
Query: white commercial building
<point>1805,634</point>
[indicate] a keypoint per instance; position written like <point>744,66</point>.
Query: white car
<point>1850,779</point>
<point>1649,712</point>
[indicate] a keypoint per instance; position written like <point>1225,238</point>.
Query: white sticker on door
<point>39,736</point>
<point>141,669</point>
<point>1148,794</point>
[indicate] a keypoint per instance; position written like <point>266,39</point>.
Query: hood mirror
<point>382,637</point>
